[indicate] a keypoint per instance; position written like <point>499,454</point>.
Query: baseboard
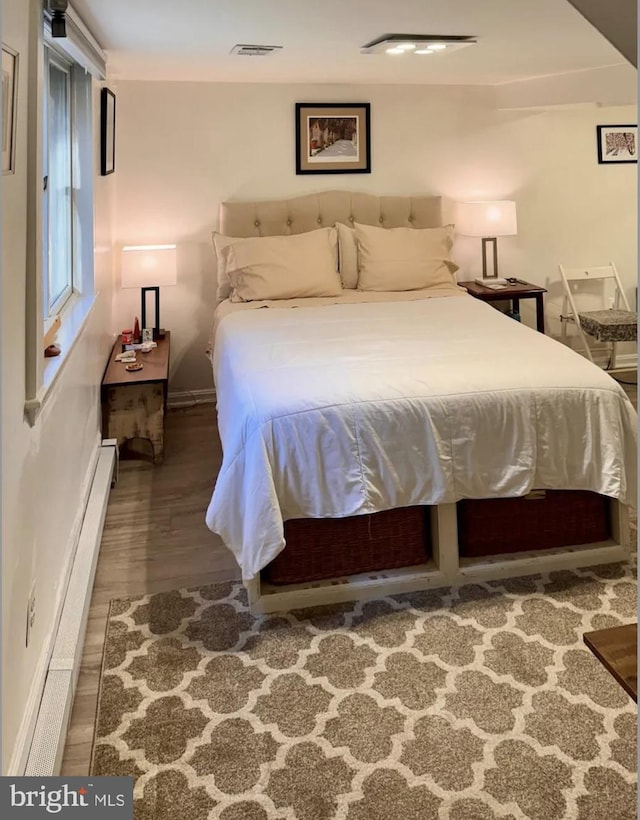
<point>601,353</point>
<point>628,360</point>
<point>49,707</point>
<point>189,398</point>
<point>18,761</point>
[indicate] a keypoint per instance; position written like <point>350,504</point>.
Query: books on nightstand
<point>495,283</point>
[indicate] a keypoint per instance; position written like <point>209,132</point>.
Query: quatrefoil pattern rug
<point>468,704</point>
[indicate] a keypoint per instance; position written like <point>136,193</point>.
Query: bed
<point>358,403</point>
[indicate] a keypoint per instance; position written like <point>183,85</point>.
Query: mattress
<point>361,405</point>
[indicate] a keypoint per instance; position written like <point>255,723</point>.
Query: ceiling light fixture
<point>417,43</point>
<point>244,50</point>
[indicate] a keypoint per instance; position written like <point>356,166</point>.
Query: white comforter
<point>347,409</point>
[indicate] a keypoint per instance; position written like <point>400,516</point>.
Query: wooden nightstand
<point>134,404</point>
<point>520,290</point>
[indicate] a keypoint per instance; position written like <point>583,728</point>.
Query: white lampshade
<point>148,266</point>
<point>486,218</point>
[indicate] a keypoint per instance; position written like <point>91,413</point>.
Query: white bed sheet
<point>342,409</point>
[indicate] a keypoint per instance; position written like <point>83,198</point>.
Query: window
<point>60,250</point>
<point>58,205</point>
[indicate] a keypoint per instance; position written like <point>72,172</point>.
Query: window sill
<point>74,316</point>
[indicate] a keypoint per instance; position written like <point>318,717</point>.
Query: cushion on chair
<point>610,325</point>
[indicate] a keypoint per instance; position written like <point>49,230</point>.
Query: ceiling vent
<point>254,51</point>
<point>417,44</point>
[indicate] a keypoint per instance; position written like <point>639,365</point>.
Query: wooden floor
<point>155,539</point>
<point>631,385</point>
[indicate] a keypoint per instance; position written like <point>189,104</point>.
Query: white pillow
<point>284,267</point>
<point>348,255</point>
<point>397,259</point>
<point>220,243</point>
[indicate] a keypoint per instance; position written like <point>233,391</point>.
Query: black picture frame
<point>342,130</point>
<point>107,132</point>
<point>10,60</point>
<point>617,144</point>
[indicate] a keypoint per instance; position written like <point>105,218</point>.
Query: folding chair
<point>614,324</point>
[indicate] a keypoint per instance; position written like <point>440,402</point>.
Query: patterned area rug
<point>467,704</point>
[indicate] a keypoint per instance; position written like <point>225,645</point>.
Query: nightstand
<point>134,403</point>
<point>515,292</point>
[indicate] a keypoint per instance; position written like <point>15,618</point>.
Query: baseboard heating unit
<point>47,746</point>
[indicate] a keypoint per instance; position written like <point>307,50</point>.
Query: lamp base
<point>491,282</point>
<point>486,241</point>
<point>159,333</point>
<point>143,312</point>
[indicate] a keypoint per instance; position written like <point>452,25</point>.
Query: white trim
<point>189,398</point>
<point>74,317</point>
<point>627,361</point>
<point>79,23</point>
<point>446,568</point>
<point>63,65</point>
<point>20,754</point>
<point>79,44</point>
<point>18,762</point>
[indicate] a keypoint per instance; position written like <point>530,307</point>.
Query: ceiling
<point>191,40</point>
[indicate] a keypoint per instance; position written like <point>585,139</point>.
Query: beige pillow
<point>348,255</point>
<point>220,244</point>
<point>391,259</point>
<point>284,267</point>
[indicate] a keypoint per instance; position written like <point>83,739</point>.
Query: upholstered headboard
<point>306,213</point>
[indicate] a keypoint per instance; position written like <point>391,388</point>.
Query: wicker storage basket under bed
<point>320,548</point>
<point>544,519</point>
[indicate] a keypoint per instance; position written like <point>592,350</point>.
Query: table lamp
<point>488,220</point>
<point>149,267</point>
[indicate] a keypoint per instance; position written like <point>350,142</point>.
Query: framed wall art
<point>9,108</point>
<point>617,143</point>
<point>333,138</point>
<point>107,132</point>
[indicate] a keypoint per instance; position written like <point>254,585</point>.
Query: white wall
<point>45,467</point>
<point>185,147</point>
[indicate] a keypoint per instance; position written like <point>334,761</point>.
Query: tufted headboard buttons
<point>308,213</point>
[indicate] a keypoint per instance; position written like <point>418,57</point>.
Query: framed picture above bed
<point>333,138</point>
<point>617,143</point>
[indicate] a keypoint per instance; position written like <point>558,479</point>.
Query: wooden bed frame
<point>446,567</point>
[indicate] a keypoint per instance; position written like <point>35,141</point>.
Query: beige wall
<point>44,468</point>
<point>184,147</point>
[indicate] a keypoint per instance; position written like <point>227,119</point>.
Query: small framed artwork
<point>617,143</point>
<point>333,138</point>
<point>9,108</point>
<point>107,132</point>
